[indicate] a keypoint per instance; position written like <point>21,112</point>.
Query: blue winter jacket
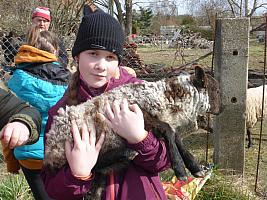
<point>42,85</point>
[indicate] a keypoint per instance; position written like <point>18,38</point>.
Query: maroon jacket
<point>139,181</point>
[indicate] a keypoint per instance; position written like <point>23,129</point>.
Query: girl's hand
<point>14,134</point>
<point>126,120</point>
<point>83,155</point>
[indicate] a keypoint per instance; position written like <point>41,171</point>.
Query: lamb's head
<point>207,85</point>
<point>201,87</point>
<point>189,96</point>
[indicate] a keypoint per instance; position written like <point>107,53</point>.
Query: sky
<point>183,7</point>
<point>180,4</point>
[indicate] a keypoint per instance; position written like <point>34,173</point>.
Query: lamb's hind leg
<point>249,137</point>
<point>176,160</point>
<point>189,160</point>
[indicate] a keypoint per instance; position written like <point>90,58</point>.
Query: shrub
<point>205,33</point>
<point>188,20</point>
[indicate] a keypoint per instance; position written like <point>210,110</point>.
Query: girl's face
<point>97,67</point>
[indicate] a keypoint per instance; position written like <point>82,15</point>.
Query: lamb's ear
<point>199,80</point>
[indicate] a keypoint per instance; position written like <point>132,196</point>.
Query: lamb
<point>253,111</point>
<point>170,106</point>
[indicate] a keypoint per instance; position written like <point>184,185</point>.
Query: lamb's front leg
<point>176,160</point>
<point>189,160</point>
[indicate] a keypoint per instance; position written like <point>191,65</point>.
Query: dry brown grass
<point>197,145</point>
<point>166,56</point>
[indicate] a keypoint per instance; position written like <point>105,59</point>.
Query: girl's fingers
<point>6,135</point>
<point>85,132</point>
<point>67,148</point>
<point>116,108</point>
<point>124,105</point>
<point>109,111</point>
<point>135,108</point>
<point>92,135</point>
<point>100,142</point>
<point>75,132</point>
<point>103,118</point>
<point>14,139</point>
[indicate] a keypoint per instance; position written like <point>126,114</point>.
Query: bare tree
<point>128,17</point>
<point>164,7</point>
<point>119,10</point>
<point>66,14</point>
<point>233,8</point>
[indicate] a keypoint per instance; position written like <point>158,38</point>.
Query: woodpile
<point>190,39</point>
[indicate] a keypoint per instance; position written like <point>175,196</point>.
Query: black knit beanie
<point>99,30</point>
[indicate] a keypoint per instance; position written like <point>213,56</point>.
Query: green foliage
<point>142,20</point>
<point>166,175</point>
<point>14,187</point>
<point>188,20</point>
<point>205,33</point>
<point>190,23</point>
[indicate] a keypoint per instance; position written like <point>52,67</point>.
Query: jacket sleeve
<point>13,109</point>
<point>64,186</point>
<point>152,154</point>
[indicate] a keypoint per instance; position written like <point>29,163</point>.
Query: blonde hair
<point>43,40</point>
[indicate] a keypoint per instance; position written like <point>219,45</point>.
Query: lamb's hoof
<point>199,174</point>
<point>183,178</point>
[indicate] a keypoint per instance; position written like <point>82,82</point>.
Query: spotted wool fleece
<point>174,100</point>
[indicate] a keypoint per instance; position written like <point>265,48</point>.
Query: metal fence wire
<point>10,43</point>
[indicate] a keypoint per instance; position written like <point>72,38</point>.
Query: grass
<point>256,55</point>
<point>166,56</point>
<point>14,187</point>
<point>223,180</point>
<point>219,187</point>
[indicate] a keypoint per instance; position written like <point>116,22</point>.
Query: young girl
<point>97,50</point>
<point>40,80</point>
